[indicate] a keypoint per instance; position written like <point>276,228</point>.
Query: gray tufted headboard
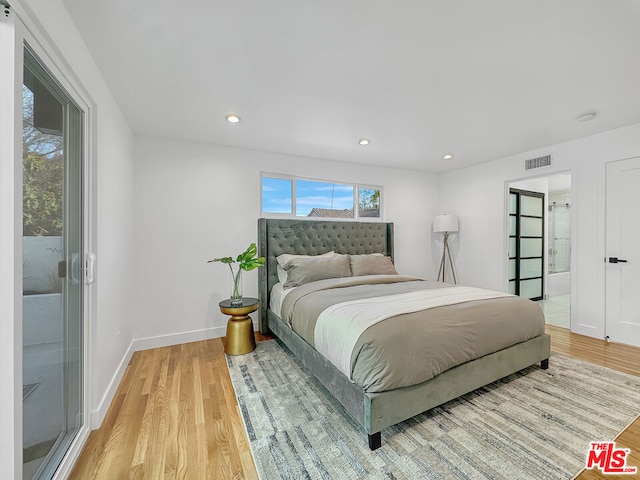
<point>313,237</point>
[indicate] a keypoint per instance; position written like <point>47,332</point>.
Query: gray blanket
<point>411,348</point>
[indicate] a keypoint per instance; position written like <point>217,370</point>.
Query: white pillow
<point>285,257</point>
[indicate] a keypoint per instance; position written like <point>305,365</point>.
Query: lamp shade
<point>445,223</point>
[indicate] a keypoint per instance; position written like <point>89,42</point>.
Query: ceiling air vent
<point>537,162</point>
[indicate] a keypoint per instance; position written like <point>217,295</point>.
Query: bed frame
<point>373,411</point>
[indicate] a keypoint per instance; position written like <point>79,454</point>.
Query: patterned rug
<point>536,424</point>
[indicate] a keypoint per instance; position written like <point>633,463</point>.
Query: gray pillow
<point>372,265</point>
<point>285,257</point>
<point>305,270</point>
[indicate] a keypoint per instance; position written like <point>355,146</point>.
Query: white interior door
<point>623,251</point>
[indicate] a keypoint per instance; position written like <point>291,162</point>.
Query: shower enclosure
<point>559,257</point>
<point>560,237</point>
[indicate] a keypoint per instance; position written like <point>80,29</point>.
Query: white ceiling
<point>419,78</point>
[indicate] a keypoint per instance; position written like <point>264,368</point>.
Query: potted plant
<point>246,261</point>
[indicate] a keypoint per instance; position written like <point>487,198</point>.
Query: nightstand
<point>239,339</point>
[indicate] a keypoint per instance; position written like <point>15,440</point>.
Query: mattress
<point>278,294</point>
<point>415,345</point>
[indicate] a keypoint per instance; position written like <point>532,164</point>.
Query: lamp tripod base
<point>446,253</point>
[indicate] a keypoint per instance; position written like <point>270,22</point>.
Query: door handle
<point>62,269</point>
<point>616,260</point>
<point>90,267</point>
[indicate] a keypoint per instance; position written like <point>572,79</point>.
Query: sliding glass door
<point>52,266</point>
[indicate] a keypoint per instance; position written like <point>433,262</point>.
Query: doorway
<point>53,244</point>
<point>554,295</point>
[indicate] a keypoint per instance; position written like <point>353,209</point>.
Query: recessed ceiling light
<point>585,117</point>
<point>448,156</point>
<point>364,141</point>
<point>233,118</point>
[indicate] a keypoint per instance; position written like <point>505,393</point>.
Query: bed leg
<point>375,441</point>
<point>544,364</point>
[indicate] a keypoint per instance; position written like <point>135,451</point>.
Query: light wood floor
<point>617,357</point>
<point>175,415</point>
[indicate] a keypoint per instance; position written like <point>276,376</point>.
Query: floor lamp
<point>446,224</point>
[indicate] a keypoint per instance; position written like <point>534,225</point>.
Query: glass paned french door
<point>526,244</point>
<point>52,270</point>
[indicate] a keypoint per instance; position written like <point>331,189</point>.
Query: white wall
<point>194,202</point>
<point>477,194</point>
<point>111,186</point>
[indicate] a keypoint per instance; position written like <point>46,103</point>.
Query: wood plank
<point>175,414</point>
<point>172,467</point>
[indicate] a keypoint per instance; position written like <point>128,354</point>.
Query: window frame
<point>293,214</point>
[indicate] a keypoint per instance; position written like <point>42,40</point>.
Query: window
<point>302,197</point>
<point>324,199</point>
<point>277,195</point>
<point>369,202</point>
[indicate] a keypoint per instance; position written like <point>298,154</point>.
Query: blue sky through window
<point>278,197</point>
<point>333,196</point>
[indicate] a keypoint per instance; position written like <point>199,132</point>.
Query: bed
<point>374,403</point>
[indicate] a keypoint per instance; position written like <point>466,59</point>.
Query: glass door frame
<point>28,33</point>
<point>65,374</point>
<point>516,237</point>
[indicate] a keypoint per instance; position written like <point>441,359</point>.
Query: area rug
<point>536,424</point>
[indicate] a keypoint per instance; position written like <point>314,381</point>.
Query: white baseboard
<point>97,415</point>
<point>138,344</point>
<point>147,343</point>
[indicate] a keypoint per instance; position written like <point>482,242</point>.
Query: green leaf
<point>252,264</point>
<point>248,254</point>
<point>245,259</point>
<point>222,259</point>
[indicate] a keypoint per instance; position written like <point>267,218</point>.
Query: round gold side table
<point>239,339</point>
